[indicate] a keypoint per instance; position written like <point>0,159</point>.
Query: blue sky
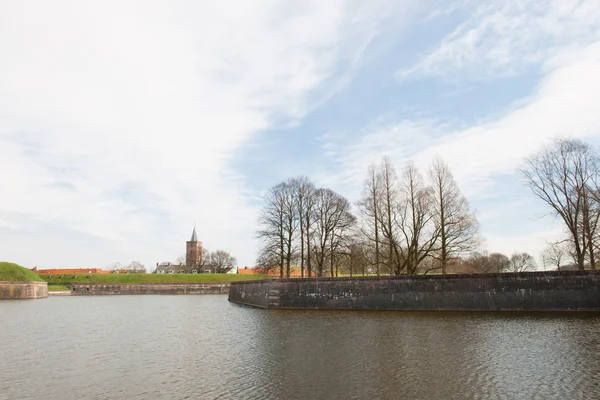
<point>122,123</point>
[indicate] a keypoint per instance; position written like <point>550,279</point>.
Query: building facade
<point>193,253</point>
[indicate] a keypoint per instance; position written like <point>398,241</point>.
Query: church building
<point>193,253</point>
<point>193,259</point>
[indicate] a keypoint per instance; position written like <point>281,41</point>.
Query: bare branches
<point>332,222</point>
<point>521,262</point>
<point>456,223</point>
<point>369,205</point>
<point>221,262</point>
<point>415,212</point>
<point>564,176</point>
<point>301,223</point>
<point>279,220</point>
<point>556,255</point>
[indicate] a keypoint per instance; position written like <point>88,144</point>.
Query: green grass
<point>148,279</point>
<point>16,273</point>
<point>58,288</point>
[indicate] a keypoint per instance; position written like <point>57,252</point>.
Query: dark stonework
<point>529,291</point>
<point>98,289</point>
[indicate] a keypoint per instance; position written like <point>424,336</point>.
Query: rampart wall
<point>530,291</point>
<point>23,290</point>
<point>109,289</point>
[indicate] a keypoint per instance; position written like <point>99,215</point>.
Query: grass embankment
<point>146,279</point>
<point>58,288</point>
<point>15,273</point>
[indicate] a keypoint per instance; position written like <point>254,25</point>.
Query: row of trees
<point>306,225</point>
<point>415,223</point>
<point>478,262</point>
<point>407,224</point>
<point>566,176</point>
<point>409,220</point>
<point>217,262</point>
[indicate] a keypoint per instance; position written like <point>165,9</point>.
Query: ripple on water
<point>202,347</point>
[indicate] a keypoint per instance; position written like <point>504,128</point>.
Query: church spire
<point>194,236</point>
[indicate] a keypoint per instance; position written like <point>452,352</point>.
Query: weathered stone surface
<point>23,290</point>
<point>533,291</point>
<point>98,289</point>
<point>59,293</point>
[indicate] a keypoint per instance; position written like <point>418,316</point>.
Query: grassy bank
<point>58,288</point>
<point>147,279</point>
<point>16,273</point>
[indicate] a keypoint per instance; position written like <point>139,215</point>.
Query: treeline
<point>407,224</point>
<point>417,223</point>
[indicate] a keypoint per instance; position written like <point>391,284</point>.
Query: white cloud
<point>505,37</point>
<point>119,119</point>
<point>564,104</point>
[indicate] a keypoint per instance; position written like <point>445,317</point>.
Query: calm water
<point>202,347</point>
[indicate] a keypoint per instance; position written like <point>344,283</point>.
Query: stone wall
<point>23,290</point>
<point>99,289</point>
<point>533,291</point>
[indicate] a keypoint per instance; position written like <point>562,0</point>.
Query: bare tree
<point>556,254</point>
<point>115,266</point>
<point>332,221</point>
<point>356,256</point>
<point>456,223</point>
<point>521,262</point>
<point>221,262</point>
<point>267,261</point>
<point>498,262</point>
<point>369,205</point>
<point>561,175</point>
<point>484,263</point>
<point>389,197</point>
<point>205,259</point>
<point>136,267</point>
<point>415,214</point>
<point>279,221</point>
<point>304,202</point>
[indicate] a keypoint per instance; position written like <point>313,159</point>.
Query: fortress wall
<point>530,291</point>
<point>23,290</point>
<point>109,289</point>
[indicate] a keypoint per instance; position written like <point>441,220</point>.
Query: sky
<point>125,123</point>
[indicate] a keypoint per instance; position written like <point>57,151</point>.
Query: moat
<point>203,347</point>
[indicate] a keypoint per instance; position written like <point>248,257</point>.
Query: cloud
<point>119,120</point>
<point>481,155</point>
<point>563,104</point>
<point>500,39</point>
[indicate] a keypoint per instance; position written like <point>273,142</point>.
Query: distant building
<point>193,259</point>
<point>193,253</point>
<point>169,268</point>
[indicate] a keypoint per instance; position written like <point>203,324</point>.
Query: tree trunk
<point>308,265</point>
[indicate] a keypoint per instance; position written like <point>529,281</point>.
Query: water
<point>202,347</point>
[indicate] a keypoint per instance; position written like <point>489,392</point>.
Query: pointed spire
<point>194,236</point>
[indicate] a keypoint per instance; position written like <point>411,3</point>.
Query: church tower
<point>193,253</point>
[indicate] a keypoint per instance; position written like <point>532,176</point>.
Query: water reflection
<point>177,347</point>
